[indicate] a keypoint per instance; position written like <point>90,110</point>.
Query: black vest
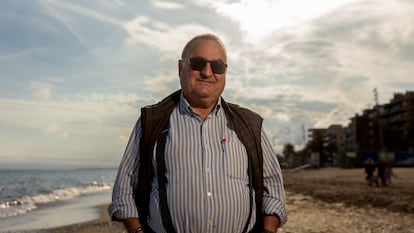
<point>155,118</point>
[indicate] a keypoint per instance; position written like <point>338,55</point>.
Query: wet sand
<point>321,201</point>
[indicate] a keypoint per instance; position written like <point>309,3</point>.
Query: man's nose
<point>206,72</point>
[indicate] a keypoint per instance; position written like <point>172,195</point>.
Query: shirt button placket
<point>210,225</point>
<point>208,175</point>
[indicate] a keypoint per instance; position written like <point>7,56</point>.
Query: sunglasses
<point>199,63</point>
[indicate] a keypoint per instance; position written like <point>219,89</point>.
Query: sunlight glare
<point>259,19</point>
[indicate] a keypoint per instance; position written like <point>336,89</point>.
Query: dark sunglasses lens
<point>197,63</point>
<point>218,66</point>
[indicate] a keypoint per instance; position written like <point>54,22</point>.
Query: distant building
<point>383,130</point>
<point>316,140</point>
<point>397,122</point>
<point>334,144</point>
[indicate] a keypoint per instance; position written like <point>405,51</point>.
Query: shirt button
<point>209,194</point>
<point>210,222</point>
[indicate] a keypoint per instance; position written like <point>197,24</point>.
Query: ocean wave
<point>25,204</point>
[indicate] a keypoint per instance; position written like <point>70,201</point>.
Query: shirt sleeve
<point>123,203</point>
<point>274,193</point>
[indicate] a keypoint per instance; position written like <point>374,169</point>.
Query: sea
<point>25,191</point>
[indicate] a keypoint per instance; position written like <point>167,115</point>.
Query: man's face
<point>203,86</point>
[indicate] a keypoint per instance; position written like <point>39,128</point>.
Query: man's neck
<point>203,112</point>
<point>202,107</point>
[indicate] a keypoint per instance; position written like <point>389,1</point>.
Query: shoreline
<point>103,224</point>
<point>86,209</point>
<point>317,201</point>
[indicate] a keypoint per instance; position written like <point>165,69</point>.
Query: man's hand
<point>271,223</point>
<point>131,224</point>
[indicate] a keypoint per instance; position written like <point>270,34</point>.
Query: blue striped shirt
<point>207,176</point>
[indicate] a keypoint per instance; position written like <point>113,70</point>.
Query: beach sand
<point>321,201</point>
<point>340,200</point>
<point>100,225</point>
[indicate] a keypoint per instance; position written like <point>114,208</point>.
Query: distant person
<point>388,174</point>
<point>369,170</point>
<point>196,163</point>
<point>381,172</point>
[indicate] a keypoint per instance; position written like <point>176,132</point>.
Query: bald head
<point>190,44</point>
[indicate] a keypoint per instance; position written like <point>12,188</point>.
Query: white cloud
<point>258,19</point>
<point>53,129</point>
<point>57,7</point>
<point>92,125</point>
<point>160,35</point>
<point>272,114</point>
<point>311,65</point>
<point>20,54</point>
<point>263,92</point>
<point>165,5</point>
<point>162,83</point>
<point>119,2</point>
<point>86,115</point>
<point>68,14</point>
<point>40,90</point>
<point>339,59</point>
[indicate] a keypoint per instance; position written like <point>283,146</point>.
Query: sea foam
<point>25,204</point>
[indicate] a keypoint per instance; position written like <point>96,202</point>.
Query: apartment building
<point>386,129</point>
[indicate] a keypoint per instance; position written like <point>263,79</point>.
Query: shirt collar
<point>186,108</point>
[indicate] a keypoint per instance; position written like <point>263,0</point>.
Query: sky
<point>74,74</point>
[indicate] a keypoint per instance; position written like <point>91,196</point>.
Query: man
<point>195,163</point>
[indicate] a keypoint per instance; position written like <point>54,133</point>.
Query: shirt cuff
<point>275,207</point>
<point>119,212</point>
